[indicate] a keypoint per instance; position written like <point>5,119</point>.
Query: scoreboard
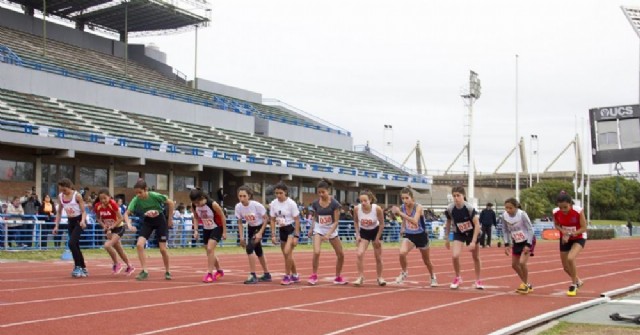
<point>615,134</point>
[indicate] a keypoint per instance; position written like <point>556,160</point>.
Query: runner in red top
<point>572,226</point>
<point>110,219</point>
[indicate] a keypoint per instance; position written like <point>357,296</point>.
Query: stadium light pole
<point>633,16</point>
<point>469,99</point>
<point>388,138</point>
<point>517,139</point>
<point>44,28</point>
<point>533,138</point>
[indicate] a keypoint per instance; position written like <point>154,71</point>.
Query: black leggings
<point>75,233</point>
<point>251,245</point>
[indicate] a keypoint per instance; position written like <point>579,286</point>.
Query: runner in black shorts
<point>368,221</point>
<point>109,217</point>
<point>148,206</point>
<point>252,214</point>
<point>208,213</point>
<point>518,231</point>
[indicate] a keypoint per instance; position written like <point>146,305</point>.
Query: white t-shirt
<point>284,212</point>
<point>252,214</point>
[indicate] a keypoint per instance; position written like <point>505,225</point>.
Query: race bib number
<point>152,213</point>
<point>109,223</point>
<point>208,223</point>
<point>366,223</point>
<point>518,236</point>
<point>464,227</point>
<point>69,211</point>
<point>412,226</point>
<point>281,222</point>
<point>250,218</point>
<point>325,220</point>
<point>570,229</point>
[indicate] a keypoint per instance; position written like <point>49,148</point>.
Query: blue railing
<point>217,102</point>
<point>33,232</point>
<point>37,130</point>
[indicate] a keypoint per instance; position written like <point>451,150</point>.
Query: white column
<point>38,176</point>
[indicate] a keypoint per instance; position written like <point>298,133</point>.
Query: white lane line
<point>336,312</point>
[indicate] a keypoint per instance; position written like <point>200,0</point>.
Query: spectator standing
<point>14,220</point>
<point>630,226</point>
<point>487,220</point>
<point>48,211</point>
<point>121,205</point>
<point>31,206</point>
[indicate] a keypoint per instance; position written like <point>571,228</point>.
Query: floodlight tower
<point>469,99</point>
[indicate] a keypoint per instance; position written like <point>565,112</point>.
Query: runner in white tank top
<point>72,204</point>
<point>368,221</point>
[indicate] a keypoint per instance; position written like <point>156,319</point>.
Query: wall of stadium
<point>302,134</point>
<point>51,85</point>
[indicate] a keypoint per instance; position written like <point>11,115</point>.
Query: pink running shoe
<point>295,278</point>
<point>219,274</point>
<point>456,283</point>
<point>116,268</point>
<point>208,278</point>
<point>129,270</point>
<point>478,285</point>
<point>340,281</point>
<point>313,279</point>
<point>285,280</point>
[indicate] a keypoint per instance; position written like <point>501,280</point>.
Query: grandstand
<point>81,102</point>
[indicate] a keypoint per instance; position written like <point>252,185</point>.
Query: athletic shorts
<point>369,234</point>
<point>117,230</point>
<point>516,249</point>
<point>159,224</point>
<point>215,234</point>
<point>421,240</point>
<point>466,238</point>
<point>566,247</point>
<point>323,230</point>
<point>286,231</point>
<point>251,232</point>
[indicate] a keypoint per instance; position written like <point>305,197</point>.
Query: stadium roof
<point>142,15</point>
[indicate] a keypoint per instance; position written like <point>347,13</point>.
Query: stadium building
<point>104,113</point>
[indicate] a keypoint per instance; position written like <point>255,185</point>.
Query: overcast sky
<point>364,64</point>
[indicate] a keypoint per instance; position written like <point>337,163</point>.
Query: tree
<point>615,198</point>
<point>538,201</point>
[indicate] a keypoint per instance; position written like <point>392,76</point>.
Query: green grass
<point>567,328</point>
<point>608,222</point>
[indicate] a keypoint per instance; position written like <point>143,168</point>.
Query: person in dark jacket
<point>487,220</point>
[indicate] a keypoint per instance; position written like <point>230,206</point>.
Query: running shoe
<point>359,281</point>
<point>117,268</point>
<point>340,281</point>
<point>251,280</point>
<point>381,282</point>
<point>219,274</point>
<point>523,288</point>
<point>456,283</point>
<point>77,272</point>
<point>167,275</point>
<point>143,275</point>
<point>84,272</point>
<point>579,283</point>
<point>285,280</point>
<point>129,270</point>
<point>434,281</point>
<point>266,277</point>
<point>403,275</point>
<point>530,288</point>
<point>478,285</point>
<point>573,290</point>
<point>208,278</point>
<point>295,278</point>
<point>313,279</point>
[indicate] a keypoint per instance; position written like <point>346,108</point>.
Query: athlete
<point>109,217</point>
<point>255,216</point>
<point>73,206</point>
<point>519,241</point>
<point>208,213</point>
<point>572,225</point>
<point>368,221</point>
<point>285,214</point>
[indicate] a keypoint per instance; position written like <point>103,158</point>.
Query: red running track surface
<point>42,298</point>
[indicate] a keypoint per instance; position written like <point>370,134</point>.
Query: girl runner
<point>572,226</point>
<point>285,213</point>
<point>205,210</point>
<point>148,207</point>
<point>368,221</point>
<point>73,204</point>
<point>414,231</point>
<point>255,215</point>
<point>517,230</point>
<point>325,228</point>
<point>464,218</point>
<point>108,216</point>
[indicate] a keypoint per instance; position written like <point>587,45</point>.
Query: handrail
<point>215,101</point>
<point>37,130</point>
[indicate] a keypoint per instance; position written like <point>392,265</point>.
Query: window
<point>183,183</point>
<point>255,187</point>
<point>308,190</point>
<point>126,179</point>
<point>156,181</point>
<point>16,171</point>
<point>93,177</point>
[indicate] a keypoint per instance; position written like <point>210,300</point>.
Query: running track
<point>42,298</point>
